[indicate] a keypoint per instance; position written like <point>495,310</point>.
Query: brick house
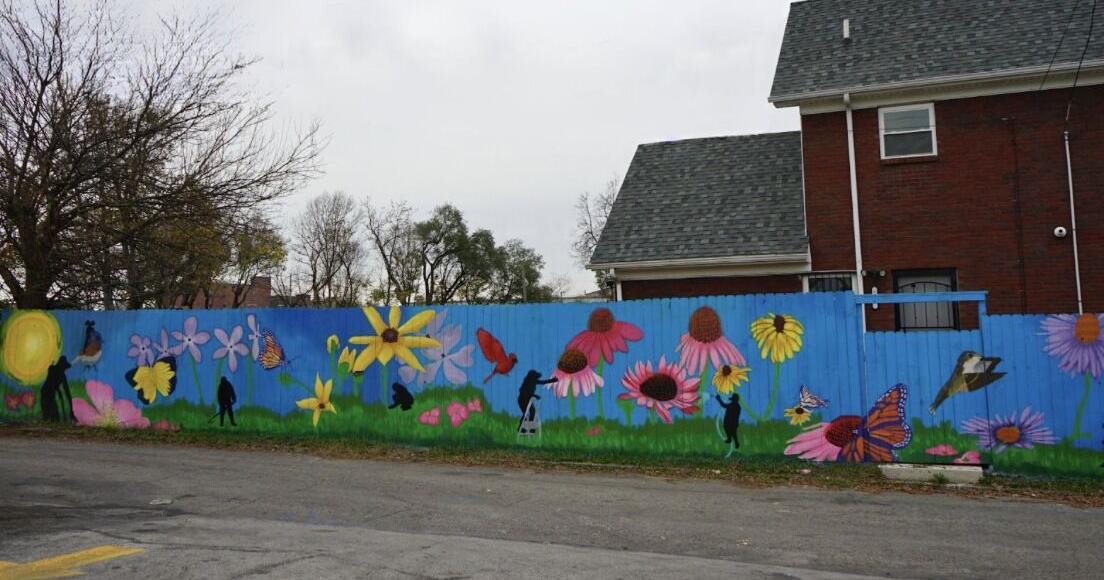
<point>942,125</point>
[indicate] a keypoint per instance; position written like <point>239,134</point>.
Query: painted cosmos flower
<point>442,359</point>
<point>704,343</point>
<point>1077,342</point>
<point>574,373</point>
<point>254,336</point>
<point>320,402</point>
<point>105,411</point>
<point>778,336</point>
<point>190,339</point>
<point>604,336</point>
<point>662,389</point>
<point>231,347</point>
<point>1024,431</point>
<point>393,340</point>
<point>141,350</point>
<point>163,347</point>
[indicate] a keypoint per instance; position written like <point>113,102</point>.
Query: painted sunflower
<point>798,415</point>
<point>320,402</point>
<point>777,336</point>
<point>729,378</point>
<point>393,340</point>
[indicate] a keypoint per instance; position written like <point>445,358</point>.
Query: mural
<point>662,378</point>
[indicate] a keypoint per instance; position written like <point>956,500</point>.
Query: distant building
<point>257,295</point>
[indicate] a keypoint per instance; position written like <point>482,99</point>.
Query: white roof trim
<point>802,258</point>
<point>797,98</point>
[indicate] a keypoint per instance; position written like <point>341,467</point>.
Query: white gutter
<point>795,98</point>
<point>721,261</point>
<point>855,230</point>
<point>1073,225</point>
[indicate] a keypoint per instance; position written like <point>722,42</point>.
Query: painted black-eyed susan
<point>320,402</point>
<point>798,415</point>
<point>778,336</point>
<point>393,340</point>
<point>729,378</point>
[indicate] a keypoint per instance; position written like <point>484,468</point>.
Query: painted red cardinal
<point>493,352</point>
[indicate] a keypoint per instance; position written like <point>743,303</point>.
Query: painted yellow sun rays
<point>393,340</point>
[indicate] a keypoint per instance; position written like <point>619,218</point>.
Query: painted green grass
<point>687,439</point>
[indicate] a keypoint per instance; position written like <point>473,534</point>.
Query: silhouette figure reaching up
<point>57,385</point>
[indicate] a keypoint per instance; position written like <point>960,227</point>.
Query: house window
<point>907,131</point>
<point>828,282</point>
<point>926,315</point>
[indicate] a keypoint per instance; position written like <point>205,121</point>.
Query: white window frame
<point>930,107</point>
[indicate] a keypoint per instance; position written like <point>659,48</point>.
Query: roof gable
<point>716,197</point>
<point>902,41</point>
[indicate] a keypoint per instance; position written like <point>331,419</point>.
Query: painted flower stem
<point>766,415</point>
<point>703,385</point>
<point>199,386</point>
<point>570,402</point>
<point>1077,433</point>
<point>600,369</point>
<point>384,379</point>
<point>626,410</point>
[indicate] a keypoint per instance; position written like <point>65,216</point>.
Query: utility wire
<point>1081,61</point>
<point>1069,22</point>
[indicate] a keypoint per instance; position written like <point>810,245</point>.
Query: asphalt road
<point>252,515</point>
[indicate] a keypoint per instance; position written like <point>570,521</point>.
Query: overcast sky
<point>507,109</point>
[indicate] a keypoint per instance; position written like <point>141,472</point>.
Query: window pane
<point>906,120</point>
<point>929,315</point>
<point>908,144</point>
<point>830,284</point>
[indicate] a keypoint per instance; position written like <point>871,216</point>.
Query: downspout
<point>1073,224</point>
<point>854,197</point>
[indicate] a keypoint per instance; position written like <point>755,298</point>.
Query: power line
<point>1061,39</point>
<point>1081,61</point>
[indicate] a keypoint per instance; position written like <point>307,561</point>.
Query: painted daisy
<point>1024,431</point>
<point>704,343</point>
<point>662,389</point>
<point>1077,342</point>
<point>573,372</point>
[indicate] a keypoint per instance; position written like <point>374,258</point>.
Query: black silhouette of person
<point>731,418</point>
<point>527,393</point>
<point>226,399</point>
<point>401,397</point>
<point>54,387</point>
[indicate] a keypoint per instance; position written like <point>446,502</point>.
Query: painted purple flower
<point>254,336</point>
<point>140,350</point>
<point>1024,431</point>
<point>1077,342</point>
<point>441,359</point>
<point>163,348</point>
<point>190,339</point>
<point>231,347</point>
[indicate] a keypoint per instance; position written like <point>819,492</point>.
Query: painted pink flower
<point>254,336</point>
<point>190,339</point>
<point>105,411</point>
<point>231,348</point>
<point>458,413</point>
<point>594,431</point>
<point>164,425</point>
<point>475,406</point>
<point>431,417</point>
<point>575,373</point>
<point>604,336</point>
<point>141,350</point>
<point>1077,341</point>
<point>163,348</point>
<point>704,343</point>
<point>941,451</point>
<point>818,443</point>
<point>662,389</point>
<point>969,458</point>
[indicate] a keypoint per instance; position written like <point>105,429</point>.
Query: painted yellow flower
<point>798,415</point>
<point>159,378</point>
<point>347,357</point>
<point>320,401</point>
<point>778,336</point>
<point>29,343</point>
<point>729,378</point>
<point>393,339</point>
<point>332,343</point>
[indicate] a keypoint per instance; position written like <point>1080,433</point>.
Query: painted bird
<point>92,349</point>
<point>495,354</point>
<point>973,372</point>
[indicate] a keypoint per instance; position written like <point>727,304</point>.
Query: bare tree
<point>591,212</point>
<point>108,137</point>
<point>395,243</point>
<point>326,247</point>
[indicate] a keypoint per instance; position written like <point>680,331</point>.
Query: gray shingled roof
<point>895,41</point>
<point>708,198</point>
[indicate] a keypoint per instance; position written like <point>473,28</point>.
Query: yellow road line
<point>65,565</point>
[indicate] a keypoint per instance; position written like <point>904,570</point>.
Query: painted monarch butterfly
<point>883,431</point>
<point>808,401</point>
<point>272,354</point>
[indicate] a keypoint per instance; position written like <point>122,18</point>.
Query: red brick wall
<point>640,289</point>
<point>987,206</point>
